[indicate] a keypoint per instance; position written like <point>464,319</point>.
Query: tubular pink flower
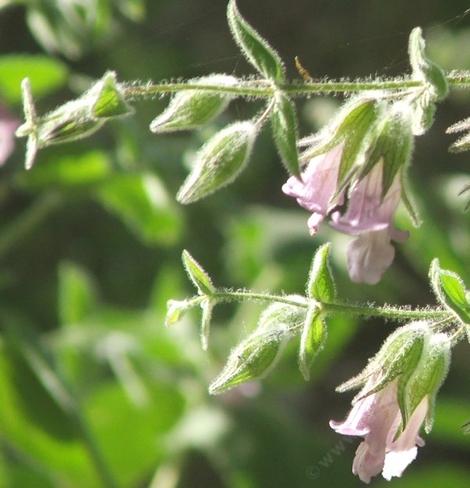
<point>8,126</point>
<point>370,217</point>
<point>367,210</point>
<point>317,186</point>
<point>377,418</point>
<point>403,450</point>
<point>369,256</point>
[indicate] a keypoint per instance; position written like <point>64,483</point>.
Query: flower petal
<point>369,256</point>
<point>404,449</point>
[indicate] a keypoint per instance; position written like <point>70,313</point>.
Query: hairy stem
<point>227,295</point>
<point>265,89</point>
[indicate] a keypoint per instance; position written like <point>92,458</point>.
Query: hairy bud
<point>219,161</point>
<point>193,108</point>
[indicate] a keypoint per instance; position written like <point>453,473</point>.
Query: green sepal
<point>109,100</point>
<point>393,146</point>
<point>407,199</point>
<point>321,284</point>
<point>312,340</point>
<point>197,275</point>
<point>285,133</point>
<point>219,161</point>
<point>397,356</point>
<point>451,292</point>
<point>428,377</point>
<point>256,49</point>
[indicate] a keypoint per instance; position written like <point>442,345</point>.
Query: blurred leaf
<point>143,205</point>
<point>67,172</point>
<point>46,75</point>
<point>134,450</point>
<point>450,416</point>
<point>69,28</point>
<point>77,294</point>
<point>133,9</point>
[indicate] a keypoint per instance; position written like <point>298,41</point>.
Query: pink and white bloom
<point>377,418</point>
<point>317,186</point>
<point>8,126</point>
<point>370,216</point>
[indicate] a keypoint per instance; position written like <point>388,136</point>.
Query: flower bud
<point>255,355</point>
<point>428,377</point>
<point>74,120</point>
<point>219,161</point>
<point>193,108</point>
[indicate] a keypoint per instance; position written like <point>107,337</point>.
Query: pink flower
<point>377,418</point>
<point>317,186</point>
<point>369,215</point>
<point>8,125</point>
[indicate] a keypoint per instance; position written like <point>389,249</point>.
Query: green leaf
<point>46,75</point>
<point>256,49</point>
<point>312,340</point>
<point>201,280</point>
<point>424,69</point>
<point>321,284</point>
<point>284,125</point>
<point>450,290</point>
<point>67,172</point>
<point>77,294</point>
<point>143,204</point>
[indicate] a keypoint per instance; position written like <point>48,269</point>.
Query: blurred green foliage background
<point>91,238</point>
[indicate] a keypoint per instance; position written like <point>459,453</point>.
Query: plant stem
<point>28,221</point>
<point>94,452</point>
<point>362,310</point>
<point>265,89</point>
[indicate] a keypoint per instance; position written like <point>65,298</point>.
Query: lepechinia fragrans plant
<point>352,175</point>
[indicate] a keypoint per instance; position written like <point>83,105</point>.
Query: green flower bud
<point>74,120</point>
<point>257,354</point>
<point>193,108</point>
<point>219,161</point>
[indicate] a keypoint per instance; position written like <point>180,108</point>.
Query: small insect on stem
<point>303,72</point>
